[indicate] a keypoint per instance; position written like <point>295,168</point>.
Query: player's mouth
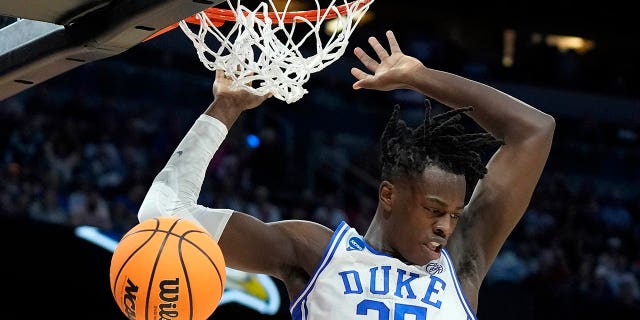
<point>434,249</point>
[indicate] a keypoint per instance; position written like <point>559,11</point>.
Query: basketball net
<point>265,46</point>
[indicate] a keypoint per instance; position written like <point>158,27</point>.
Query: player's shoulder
<point>305,231</point>
<point>303,225</point>
<point>309,241</point>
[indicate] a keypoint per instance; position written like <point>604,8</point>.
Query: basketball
<point>167,268</point>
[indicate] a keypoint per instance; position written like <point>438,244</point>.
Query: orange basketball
<point>167,268</point>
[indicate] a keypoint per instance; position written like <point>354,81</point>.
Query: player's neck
<point>375,234</point>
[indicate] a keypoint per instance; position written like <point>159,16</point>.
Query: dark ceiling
<point>610,21</point>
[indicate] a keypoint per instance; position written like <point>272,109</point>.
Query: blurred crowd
<point>85,154</point>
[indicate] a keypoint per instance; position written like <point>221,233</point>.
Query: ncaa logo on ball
<point>129,299</point>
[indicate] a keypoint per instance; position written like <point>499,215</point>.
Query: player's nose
<point>443,226</point>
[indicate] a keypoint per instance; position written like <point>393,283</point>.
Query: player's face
<point>424,214</point>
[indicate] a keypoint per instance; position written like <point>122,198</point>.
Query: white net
<point>275,55</point>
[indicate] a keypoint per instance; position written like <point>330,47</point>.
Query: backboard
<point>42,39</point>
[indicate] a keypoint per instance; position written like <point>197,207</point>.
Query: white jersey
<point>354,281</point>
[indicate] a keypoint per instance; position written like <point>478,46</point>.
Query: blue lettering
<point>432,290</point>
<point>365,305</point>
<point>404,309</point>
<point>385,270</point>
<point>405,283</point>
<point>347,283</point>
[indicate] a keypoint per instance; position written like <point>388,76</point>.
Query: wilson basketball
<point>167,268</point>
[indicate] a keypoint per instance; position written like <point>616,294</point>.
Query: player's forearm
<point>497,112</point>
<point>182,177</point>
<point>176,189</point>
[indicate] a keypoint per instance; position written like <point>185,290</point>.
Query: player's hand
<point>390,72</point>
<point>236,97</point>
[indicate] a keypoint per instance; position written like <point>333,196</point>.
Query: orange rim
<point>219,16</point>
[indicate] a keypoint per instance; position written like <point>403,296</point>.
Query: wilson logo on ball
<point>169,293</point>
<point>129,299</point>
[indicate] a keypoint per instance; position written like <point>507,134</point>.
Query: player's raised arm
<point>247,243</point>
<point>502,196</point>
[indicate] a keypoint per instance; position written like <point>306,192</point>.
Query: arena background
<point>88,142</point>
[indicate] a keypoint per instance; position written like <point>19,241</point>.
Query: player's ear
<point>385,194</point>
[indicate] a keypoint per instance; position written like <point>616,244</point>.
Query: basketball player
<point>412,263</point>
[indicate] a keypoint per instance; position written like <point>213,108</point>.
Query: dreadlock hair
<point>439,141</point>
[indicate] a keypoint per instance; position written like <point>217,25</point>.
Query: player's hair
<point>439,141</point>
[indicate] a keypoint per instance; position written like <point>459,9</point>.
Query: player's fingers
<point>366,60</point>
<point>361,76</point>
<point>249,79</point>
<point>219,74</point>
<point>393,43</point>
<point>377,47</point>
